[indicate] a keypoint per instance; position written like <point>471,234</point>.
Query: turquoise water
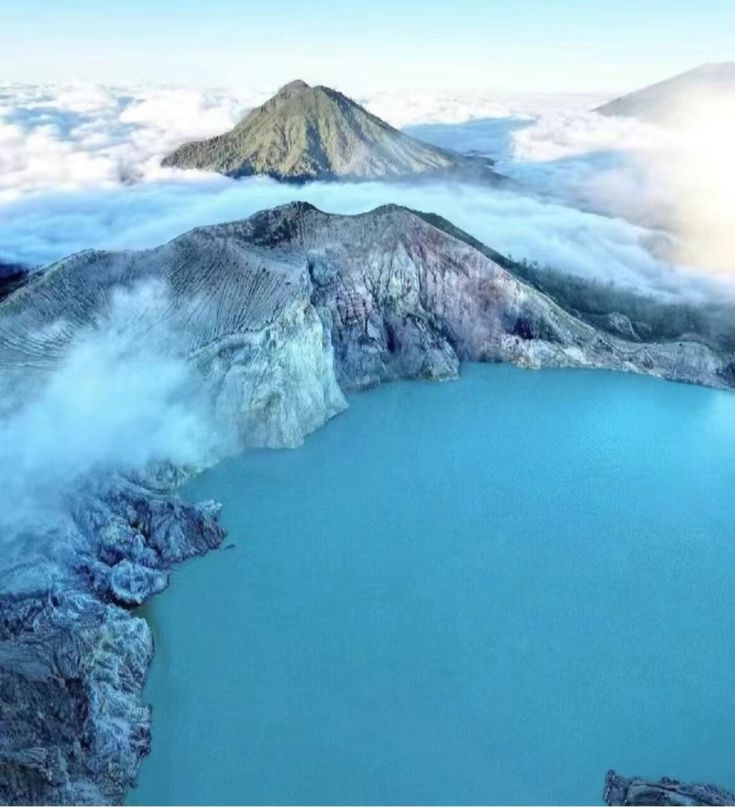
<point>488,591</point>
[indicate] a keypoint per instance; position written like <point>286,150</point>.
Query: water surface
<point>488,591</point>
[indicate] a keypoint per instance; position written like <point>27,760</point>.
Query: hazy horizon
<point>532,47</point>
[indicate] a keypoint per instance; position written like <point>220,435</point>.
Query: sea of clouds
<point>80,168</point>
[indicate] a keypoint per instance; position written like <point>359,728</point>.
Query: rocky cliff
<point>277,316</point>
<point>283,312</point>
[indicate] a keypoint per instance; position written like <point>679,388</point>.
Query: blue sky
<point>523,45</point>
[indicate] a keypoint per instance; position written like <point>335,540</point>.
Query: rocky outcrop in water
<point>276,316</point>
<point>636,791</point>
<point>315,133</point>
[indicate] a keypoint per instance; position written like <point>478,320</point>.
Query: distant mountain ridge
<point>308,133</point>
<point>658,101</point>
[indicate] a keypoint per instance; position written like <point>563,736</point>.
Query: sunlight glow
<point>702,165</point>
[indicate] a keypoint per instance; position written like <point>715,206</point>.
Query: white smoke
<point>117,401</point>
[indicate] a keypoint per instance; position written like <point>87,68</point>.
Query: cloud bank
<point>678,176</point>
<point>76,137</point>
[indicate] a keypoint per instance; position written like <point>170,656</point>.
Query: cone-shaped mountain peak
<point>292,88</point>
<point>316,133</point>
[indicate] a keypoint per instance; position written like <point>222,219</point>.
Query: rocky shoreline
<point>74,656</point>
<point>637,791</point>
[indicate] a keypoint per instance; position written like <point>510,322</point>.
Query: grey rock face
<point>668,98</point>
<point>635,791</point>
<point>316,133</point>
<point>277,316</point>
<point>404,295</point>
